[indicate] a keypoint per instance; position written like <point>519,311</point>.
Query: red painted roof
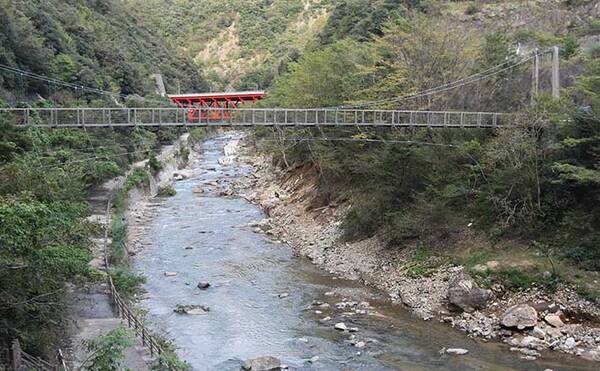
<point>219,96</point>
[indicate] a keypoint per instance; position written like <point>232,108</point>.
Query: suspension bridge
<point>226,109</point>
<point>248,117</point>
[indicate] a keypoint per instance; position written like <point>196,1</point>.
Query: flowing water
<point>202,237</point>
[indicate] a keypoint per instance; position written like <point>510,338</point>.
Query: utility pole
<point>160,85</point>
<point>535,81</point>
<point>555,73</point>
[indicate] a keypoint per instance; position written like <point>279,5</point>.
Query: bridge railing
<point>115,117</point>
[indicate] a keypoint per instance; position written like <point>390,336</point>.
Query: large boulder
<point>464,293</point>
<point>520,316</point>
<point>262,364</point>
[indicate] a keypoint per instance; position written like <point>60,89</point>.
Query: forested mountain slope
<point>239,43</point>
<point>96,43</point>
<point>531,191</point>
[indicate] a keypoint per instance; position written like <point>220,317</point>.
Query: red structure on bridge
<point>197,103</point>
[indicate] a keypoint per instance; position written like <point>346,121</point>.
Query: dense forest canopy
<point>94,43</point>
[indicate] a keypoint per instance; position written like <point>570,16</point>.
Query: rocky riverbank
<point>529,321</point>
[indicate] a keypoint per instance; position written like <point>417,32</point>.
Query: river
<point>204,237</point>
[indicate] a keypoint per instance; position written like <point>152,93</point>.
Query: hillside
<point>100,44</point>
<point>241,44</point>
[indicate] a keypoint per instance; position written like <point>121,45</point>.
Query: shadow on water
<point>202,237</point>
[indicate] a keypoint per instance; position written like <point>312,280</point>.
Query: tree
<point>44,246</point>
<point>323,78</point>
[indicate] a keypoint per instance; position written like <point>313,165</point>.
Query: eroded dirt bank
<point>529,321</point>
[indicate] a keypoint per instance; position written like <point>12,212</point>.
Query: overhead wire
<point>77,87</point>
<point>492,71</point>
<point>366,140</point>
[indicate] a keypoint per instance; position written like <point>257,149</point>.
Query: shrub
<point>420,265</point>
<point>107,351</point>
<point>168,361</point>
<point>569,47</point>
<point>138,177</point>
<point>593,28</point>
<point>126,283</point>
<point>472,8</point>
<point>197,135</point>
<point>118,246</point>
<point>154,165</point>
<point>167,191</point>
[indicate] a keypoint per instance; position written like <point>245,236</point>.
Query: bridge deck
<point>247,117</point>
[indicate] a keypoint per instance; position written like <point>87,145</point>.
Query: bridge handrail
<point>219,116</point>
<point>262,109</point>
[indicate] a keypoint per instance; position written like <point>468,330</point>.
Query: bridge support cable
<point>507,65</point>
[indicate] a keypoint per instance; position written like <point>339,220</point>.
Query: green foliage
<point>44,245</point>
<point>322,78</point>
<point>167,191</point>
<point>197,135</point>
<point>118,246</point>
<point>106,47</point>
<point>569,47</point>
<point>107,351</point>
<point>593,27</point>
<point>240,43</point>
<point>139,177</point>
<point>360,19</point>
<point>126,282</point>
<point>472,8</point>
<point>517,278</point>
<point>168,361</point>
<point>154,165</point>
<point>420,265</point>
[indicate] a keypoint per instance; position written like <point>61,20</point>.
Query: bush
<point>593,28</point>
<point>138,178</point>
<point>118,246</point>
<point>107,351</point>
<point>569,47</point>
<point>168,361</point>
<point>472,8</point>
<point>197,135</point>
<point>167,191</point>
<point>126,283</point>
<point>154,165</point>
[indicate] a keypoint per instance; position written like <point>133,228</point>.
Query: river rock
<point>262,364</point>
<point>459,351</point>
<point>198,190</point>
<point>340,326</point>
<point>520,316</point>
<point>170,274</point>
<point>191,309</point>
<point>531,342</point>
<point>464,293</point>
<point>554,320</point>
<point>570,343</point>
<point>538,332</point>
<point>203,285</point>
